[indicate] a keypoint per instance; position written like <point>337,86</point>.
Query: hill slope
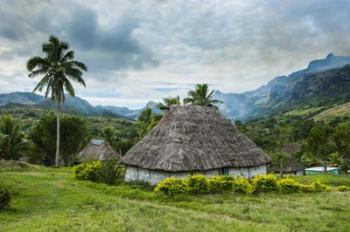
<point>297,87</point>
<point>338,111</point>
<point>75,105</point>
<point>23,98</point>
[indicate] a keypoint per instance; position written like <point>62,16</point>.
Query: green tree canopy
<point>169,101</point>
<point>342,139</point>
<point>146,121</point>
<point>201,96</point>
<point>43,135</point>
<point>320,143</point>
<point>342,142</point>
<point>12,140</point>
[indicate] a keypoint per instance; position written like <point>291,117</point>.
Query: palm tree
<point>146,121</point>
<point>167,102</point>
<point>57,68</point>
<point>200,96</point>
<point>12,139</point>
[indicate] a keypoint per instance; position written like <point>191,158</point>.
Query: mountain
<point>320,88</point>
<point>23,98</point>
<point>126,112</point>
<point>75,105</point>
<point>132,114</point>
<point>71,105</point>
<point>277,95</point>
<point>324,82</point>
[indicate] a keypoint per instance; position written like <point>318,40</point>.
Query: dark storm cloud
<point>30,23</point>
<point>167,46</point>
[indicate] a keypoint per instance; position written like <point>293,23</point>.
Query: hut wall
<point>154,176</point>
<point>248,172</point>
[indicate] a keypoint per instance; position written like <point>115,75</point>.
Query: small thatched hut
<point>193,139</point>
<point>292,165</point>
<point>98,150</point>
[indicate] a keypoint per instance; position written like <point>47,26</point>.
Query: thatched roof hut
<point>98,150</point>
<point>193,139</point>
<point>292,164</point>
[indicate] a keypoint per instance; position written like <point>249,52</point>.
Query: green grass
<point>332,180</point>
<point>47,199</point>
<point>303,111</point>
<point>338,111</point>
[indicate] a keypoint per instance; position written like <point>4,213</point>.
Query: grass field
<point>338,111</point>
<point>47,199</point>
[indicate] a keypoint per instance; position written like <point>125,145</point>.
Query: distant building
<point>320,170</point>
<point>98,150</point>
<point>190,140</point>
<point>292,165</point>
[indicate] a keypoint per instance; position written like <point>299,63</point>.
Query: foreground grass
<point>45,199</point>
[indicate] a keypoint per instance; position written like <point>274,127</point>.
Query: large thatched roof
<point>190,138</point>
<point>98,150</point>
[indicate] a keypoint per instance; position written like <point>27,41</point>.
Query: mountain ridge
<point>272,96</point>
<point>315,84</point>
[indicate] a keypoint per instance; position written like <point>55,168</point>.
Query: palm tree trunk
<point>325,166</point>
<point>58,135</point>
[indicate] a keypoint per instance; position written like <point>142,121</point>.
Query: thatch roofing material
<point>291,148</point>
<point>98,150</point>
<point>292,165</point>
<point>190,138</point>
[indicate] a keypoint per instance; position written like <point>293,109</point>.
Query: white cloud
<point>149,49</point>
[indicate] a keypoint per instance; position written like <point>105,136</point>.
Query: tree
<point>342,139</point>
<point>342,143</point>
<point>320,144</point>
<point>146,121</point>
<point>12,139</point>
<point>119,142</point>
<point>108,134</point>
<point>280,159</point>
<point>43,135</point>
<point>169,101</point>
<point>200,96</point>
<point>58,68</point>
<point>74,134</point>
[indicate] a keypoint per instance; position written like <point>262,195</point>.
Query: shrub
<point>289,185</point>
<point>87,171</point>
<point>108,172</point>
<point>4,197</point>
<point>242,185</point>
<point>220,184</point>
<point>315,186</point>
<point>307,188</point>
<point>198,184</point>
<point>319,187</point>
<point>265,183</point>
<point>172,186</point>
<point>342,188</point>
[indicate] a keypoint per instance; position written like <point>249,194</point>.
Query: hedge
<point>200,184</point>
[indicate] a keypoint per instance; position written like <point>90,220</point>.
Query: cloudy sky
<point>145,50</point>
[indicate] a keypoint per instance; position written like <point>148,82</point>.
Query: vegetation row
<point>108,172</point>
<point>199,184</point>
